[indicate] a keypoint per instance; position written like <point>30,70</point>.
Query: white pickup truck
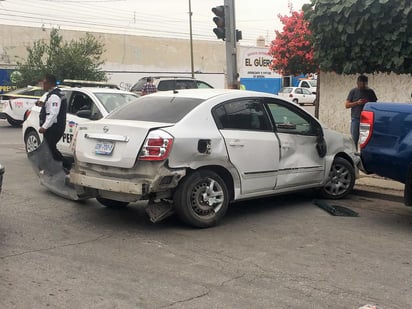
<point>310,84</point>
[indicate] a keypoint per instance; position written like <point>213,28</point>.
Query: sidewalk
<point>376,183</point>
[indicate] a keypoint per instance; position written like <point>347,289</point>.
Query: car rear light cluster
<point>290,95</point>
<point>156,147</point>
<point>365,128</point>
<point>27,114</point>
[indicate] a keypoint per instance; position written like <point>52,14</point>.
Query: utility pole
<point>231,51</point>
<point>226,31</point>
<point>192,66</point>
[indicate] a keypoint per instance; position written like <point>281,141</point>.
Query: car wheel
<point>31,141</point>
<point>13,122</point>
<point>111,203</point>
<point>295,101</point>
<point>202,199</point>
<point>407,195</point>
<point>341,180</point>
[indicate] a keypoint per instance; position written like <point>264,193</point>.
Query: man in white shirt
<point>53,118</point>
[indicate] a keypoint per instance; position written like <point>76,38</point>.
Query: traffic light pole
<point>231,51</point>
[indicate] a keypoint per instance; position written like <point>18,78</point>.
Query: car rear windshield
<point>112,100</point>
<point>156,109</point>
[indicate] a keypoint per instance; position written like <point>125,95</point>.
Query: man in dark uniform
<point>53,118</point>
<point>357,98</point>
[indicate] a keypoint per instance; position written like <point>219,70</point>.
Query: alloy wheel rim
<point>207,198</point>
<point>32,143</point>
<point>339,180</point>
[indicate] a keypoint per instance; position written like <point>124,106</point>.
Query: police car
<point>14,104</point>
<point>83,104</point>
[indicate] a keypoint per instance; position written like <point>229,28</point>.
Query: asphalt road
<point>281,252</point>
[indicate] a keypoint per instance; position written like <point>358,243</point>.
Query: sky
<point>164,18</point>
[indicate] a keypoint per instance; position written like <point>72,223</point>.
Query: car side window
<point>247,114</point>
<point>298,91</point>
<point>305,84</point>
<point>306,91</point>
<point>288,119</point>
<point>82,102</point>
<point>185,84</point>
<point>203,85</point>
<point>165,85</point>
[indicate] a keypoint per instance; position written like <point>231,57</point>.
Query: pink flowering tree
<point>292,50</point>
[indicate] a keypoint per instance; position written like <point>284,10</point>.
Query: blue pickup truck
<point>386,142</point>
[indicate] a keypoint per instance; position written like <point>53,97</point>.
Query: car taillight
<point>26,114</point>
<point>365,128</point>
<point>156,147</point>
<point>290,95</point>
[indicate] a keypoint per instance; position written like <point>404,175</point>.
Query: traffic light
<point>219,20</point>
<point>238,35</point>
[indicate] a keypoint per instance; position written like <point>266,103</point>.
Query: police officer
<point>53,118</point>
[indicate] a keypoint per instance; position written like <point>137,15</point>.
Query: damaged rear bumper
<point>154,180</point>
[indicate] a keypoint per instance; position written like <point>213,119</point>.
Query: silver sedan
<point>199,150</point>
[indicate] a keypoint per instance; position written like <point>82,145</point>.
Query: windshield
<point>112,100</point>
<point>313,82</point>
<point>156,109</point>
<point>139,85</point>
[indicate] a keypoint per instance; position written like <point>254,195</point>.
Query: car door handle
<point>236,143</point>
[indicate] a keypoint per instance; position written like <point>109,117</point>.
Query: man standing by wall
<point>357,98</point>
<point>53,118</point>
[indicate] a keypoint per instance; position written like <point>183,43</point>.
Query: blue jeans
<point>354,130</point>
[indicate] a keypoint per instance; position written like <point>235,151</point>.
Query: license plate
<point>104,148</point>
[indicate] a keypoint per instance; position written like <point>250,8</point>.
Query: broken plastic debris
<point>159,211</point>
<point>336,210</point>
<point>50,172</point>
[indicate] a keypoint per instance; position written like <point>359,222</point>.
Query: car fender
<point>32,122</point>
<point>208,149</point>
<point>340,145</point>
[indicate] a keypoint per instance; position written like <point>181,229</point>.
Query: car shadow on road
<point>278,203</point>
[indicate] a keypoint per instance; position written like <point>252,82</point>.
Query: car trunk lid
<point>114,143</point>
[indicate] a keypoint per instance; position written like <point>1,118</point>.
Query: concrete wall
<point>334,89</point>
<point>128,57</point>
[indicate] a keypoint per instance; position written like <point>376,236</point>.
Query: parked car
<point>386,142</point>
<point>14,104</point>
<point>202,149</point>
<point>298,95</point>
<point>310,84</point>
<point>165,83</point>
<point>84,103</point>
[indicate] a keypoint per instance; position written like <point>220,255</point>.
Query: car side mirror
<point>87,113</point>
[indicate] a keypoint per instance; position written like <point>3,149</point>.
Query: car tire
<point>295,101</point>
<point>31,141</point>
<point>111,203</point>
<point>407,194</point>
<point>13,122</point>
<point>194,194</point>
<point>340,181</point>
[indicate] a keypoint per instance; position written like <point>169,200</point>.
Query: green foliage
<point>361,36</point>
<point>76,59</point>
